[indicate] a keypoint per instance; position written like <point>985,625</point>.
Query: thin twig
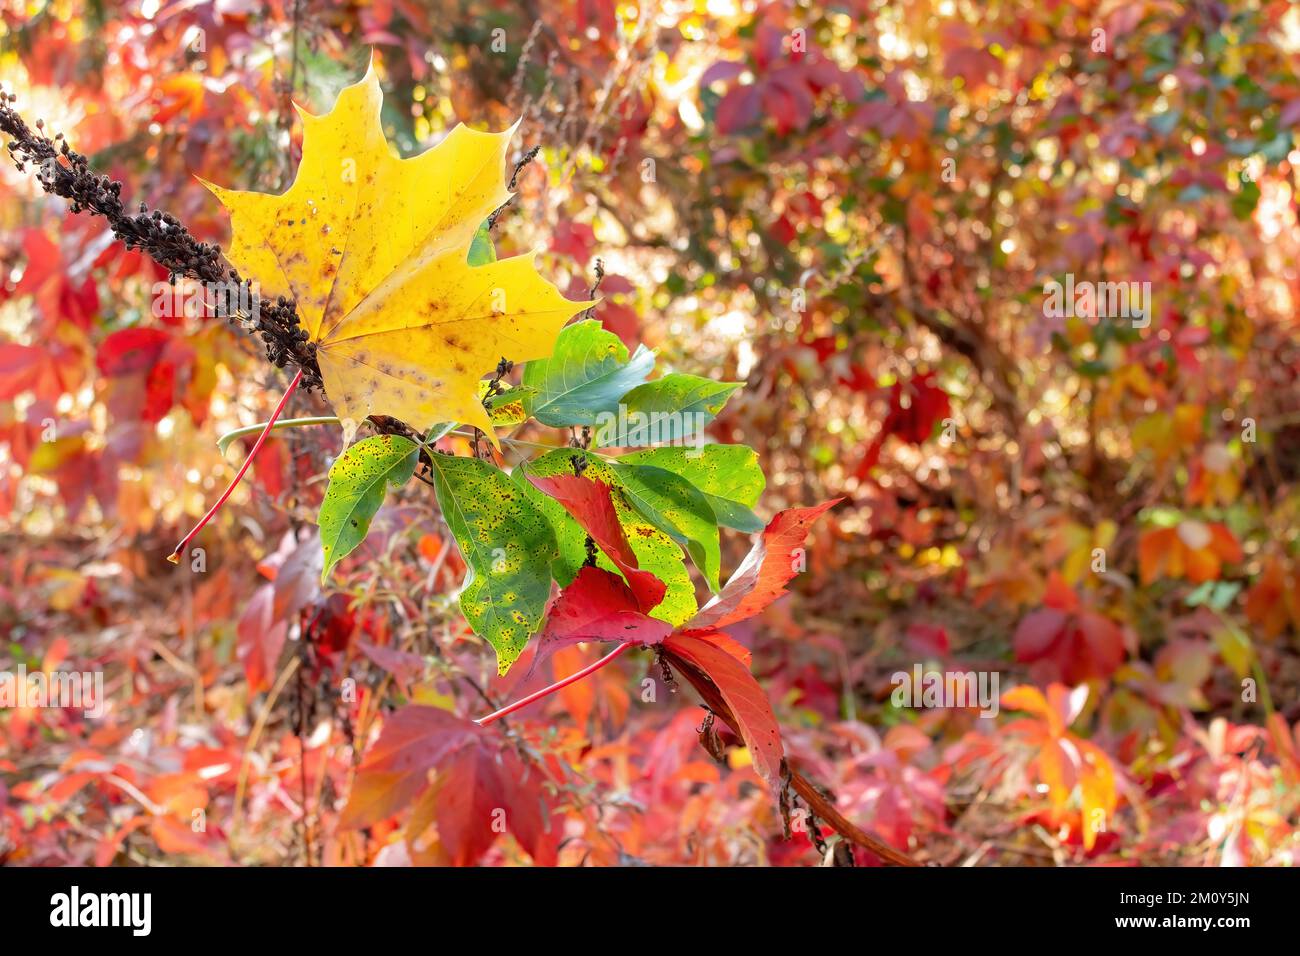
<point>595,287</point>
<point>528,157</point>
<point>558,685</point>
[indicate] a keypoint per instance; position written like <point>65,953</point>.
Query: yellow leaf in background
<point>1097,789</point>
<point>1081,543</point>
<point>1168,436</point>
<point>1235,648</point>
<point>739,757</point>
<point>1136,378</point>
<point>49,456</point>
<point>66,590</point>
<point>375,251</point>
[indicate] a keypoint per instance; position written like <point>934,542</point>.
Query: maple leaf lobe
<point>374,250</point>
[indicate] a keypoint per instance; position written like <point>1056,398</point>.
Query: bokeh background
<point>854,208</point>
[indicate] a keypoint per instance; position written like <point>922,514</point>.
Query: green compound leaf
<point>655,551</point>
<point>669,409</point>
<point>508,545</point>
<point>673,505</point>
<point>359,481</point>
<point>586,375</point>
<point>729,476</point>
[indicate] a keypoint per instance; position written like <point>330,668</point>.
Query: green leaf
<point>439,431</point>
<point>1165,123</point>
<point>673,505</point>
<point>506,408</point>
<point>359,481</point>
<point>668,409</point>
<point>509,396</point>
<point>586,375</point>
<point>729,476</point>
<point>1244,200</point>
<point>570,539</point>
<point>481,250</point>
<point>655,551</point>
<point>1216,594</point>
<point>508,545</point>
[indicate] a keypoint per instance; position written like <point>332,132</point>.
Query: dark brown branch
<point>823,808</point>
<point>64,172</point>
<point>817,803</point>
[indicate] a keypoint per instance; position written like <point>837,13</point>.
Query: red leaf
<point>915,407</point>
<point>271,466</point>
<point>1036,633</point>
<point>787,100</point>
<point>724,642</point>
<point>172,836</point>
<point>107,848</point>
<point>331,626</point>
<point>528,813</point>
<point>743,695</point>
<point>739,109</point>
<point>260,638</point>
<point>297,580</point>
<point>28,367</point>
<point>927,640</point>
<point>468,802</point>
<point>575,240</point>
<point>598,606</point>
<point>78,304</point>
<point>403,665</point>
<point>159,392</point>
<point>1071,645</point>
<point>591,506</point>
<point>724,70</point>
<point>766,570</point>
<point>44,260</point>
<point>479,794</point>
<point>460,777</point>
<point>415,740</point>
<point>130,350</point>
<point>264,626</point>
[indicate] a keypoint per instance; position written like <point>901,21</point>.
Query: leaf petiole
<point>557,686</point>
<point>175,556</point>
<point>224,442</point>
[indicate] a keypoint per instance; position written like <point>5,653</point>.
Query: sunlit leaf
<point>376,251</point>
<point>585,376</point>
<point>508,545</point>
<point>359,481</point>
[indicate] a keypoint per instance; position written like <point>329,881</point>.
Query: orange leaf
<point>766,570</point>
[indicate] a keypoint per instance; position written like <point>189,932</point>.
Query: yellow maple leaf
<point>375,248</point>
